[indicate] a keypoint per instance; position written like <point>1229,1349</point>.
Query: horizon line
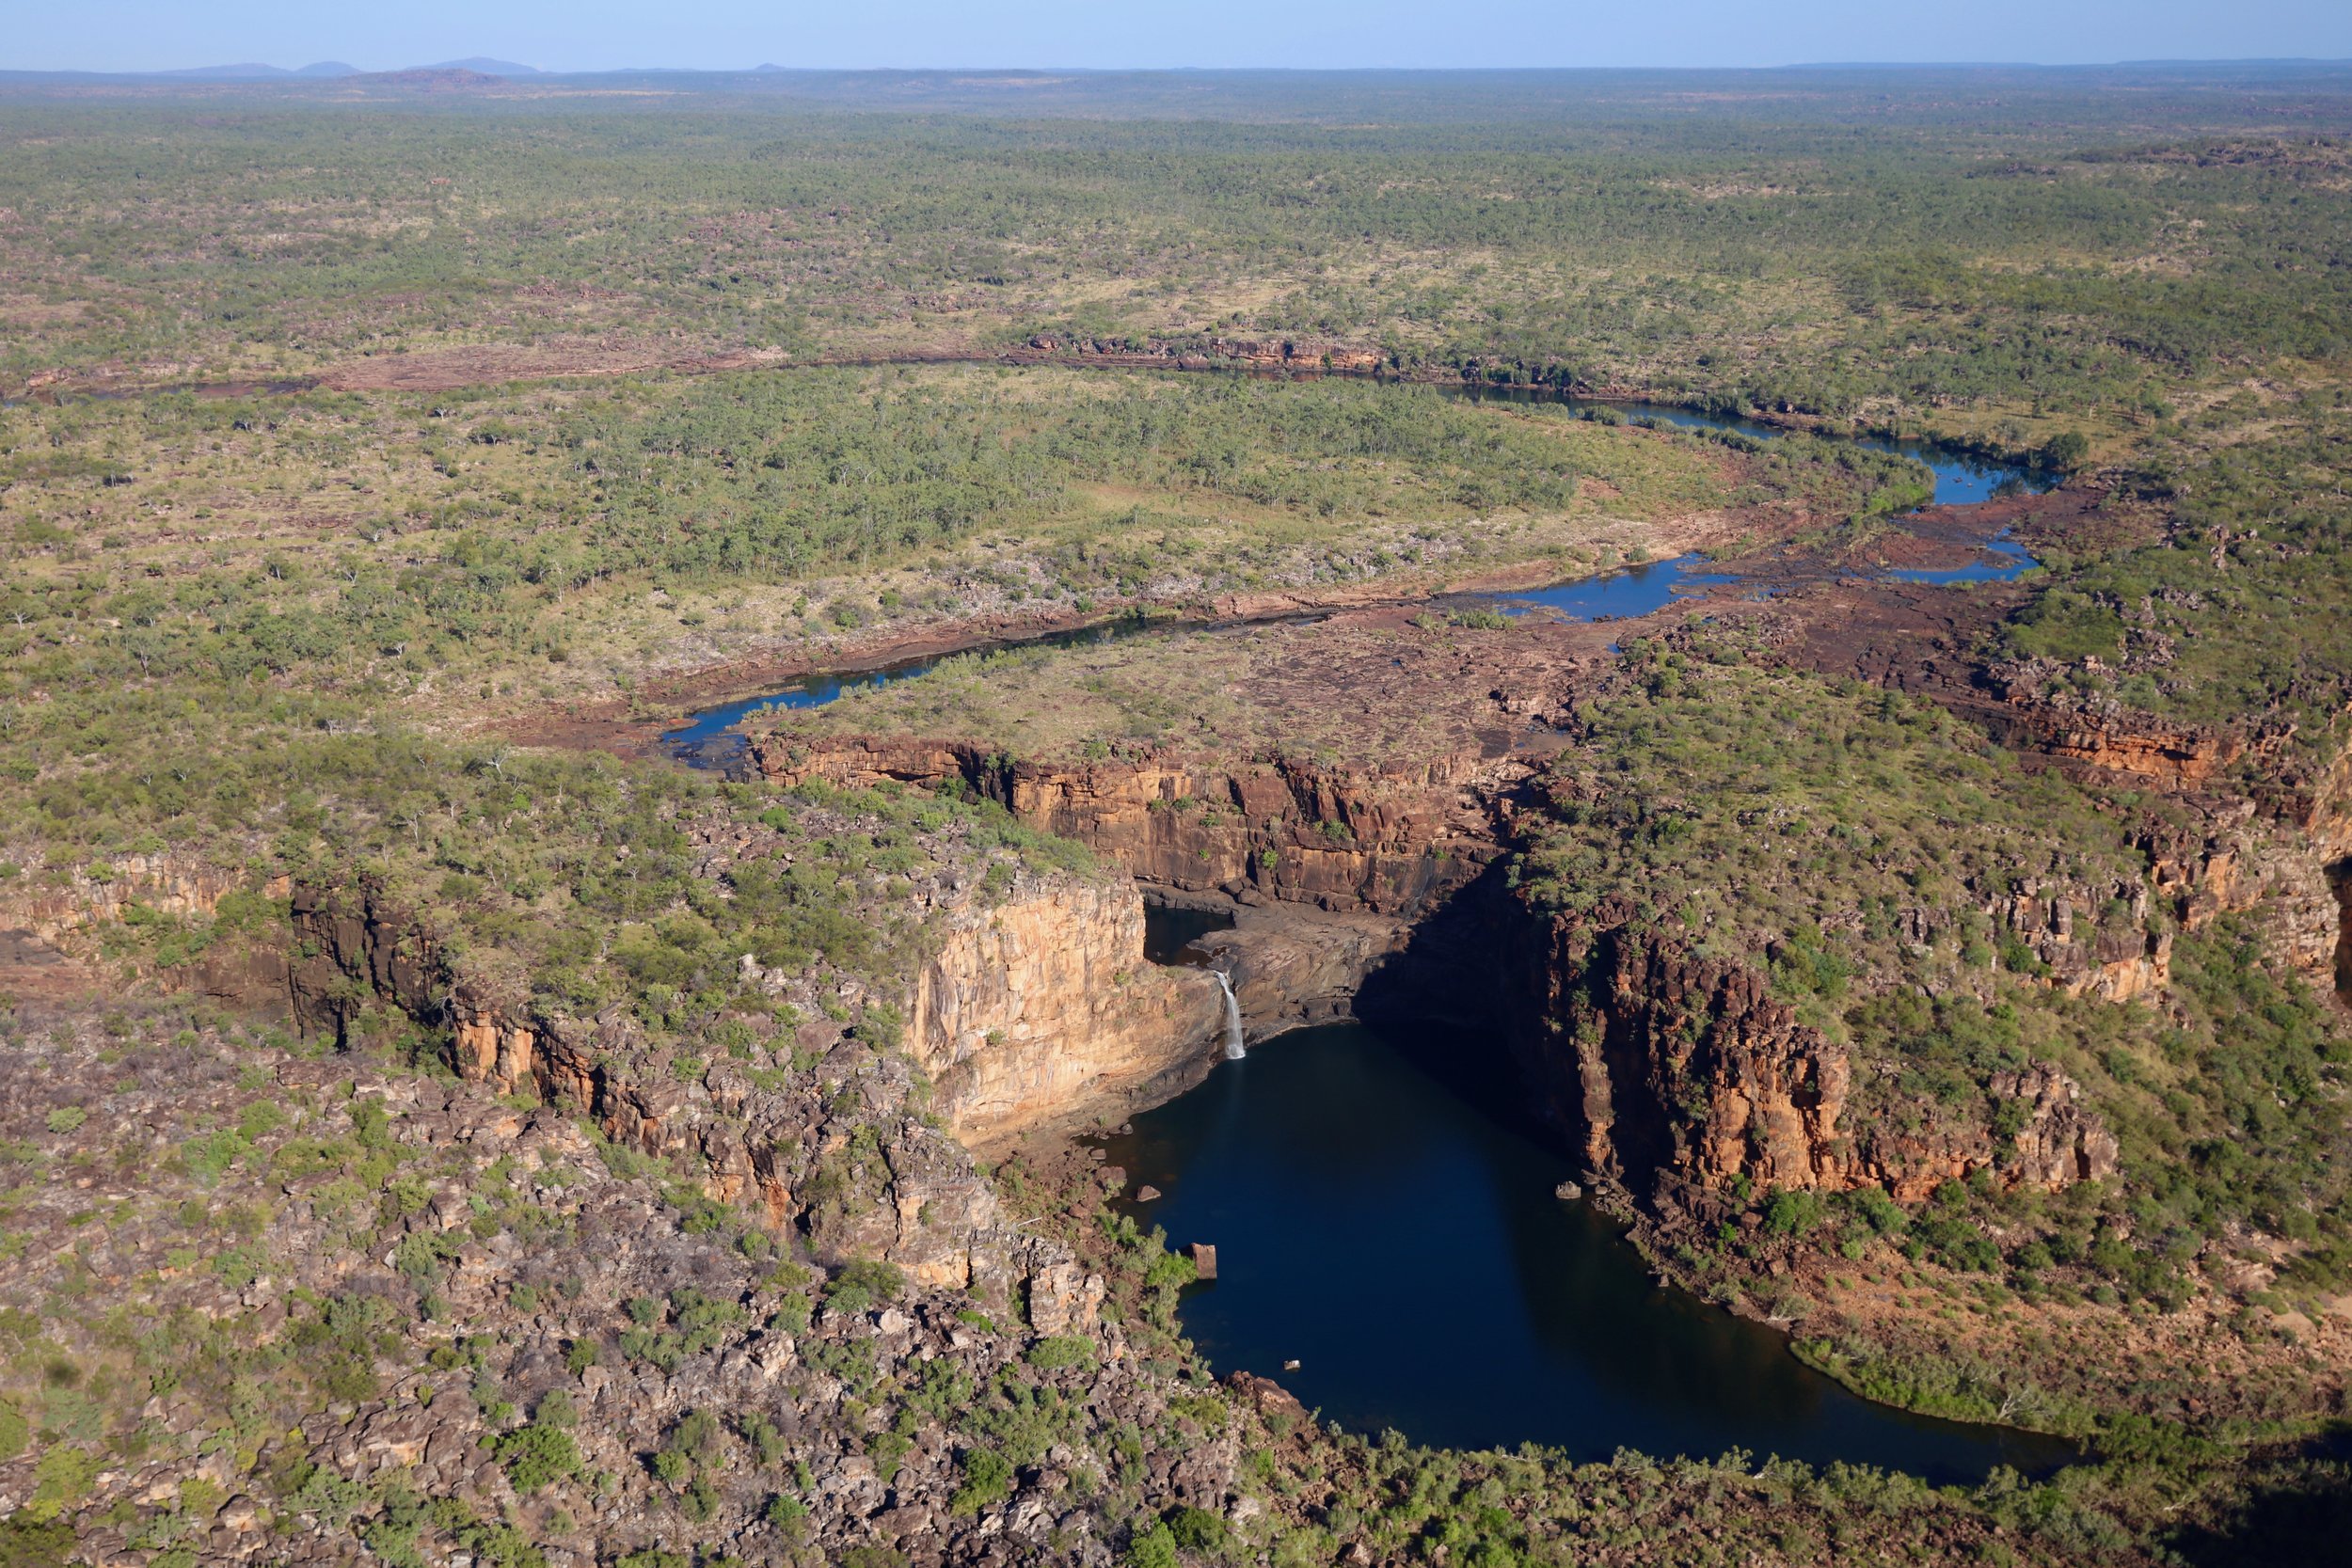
<point>770,69</point>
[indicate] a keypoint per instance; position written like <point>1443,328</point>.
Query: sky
<point>600,35</point>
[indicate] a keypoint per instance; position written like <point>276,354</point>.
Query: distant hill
<point>484,66</point>
<point>328,68</point>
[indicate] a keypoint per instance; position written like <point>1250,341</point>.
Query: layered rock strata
<point>1672,1073</point>
<point>1043,1006</point>
<point>1291,967</point>
<point>1393,841</point>
<point>1033,1006</point>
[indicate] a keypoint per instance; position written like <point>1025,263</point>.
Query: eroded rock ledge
<point>1672,1073</point>
<point>1034,1004</point>
<point>1391,841</point>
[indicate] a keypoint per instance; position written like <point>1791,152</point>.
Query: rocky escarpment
<point>165,881</point>
<point>1681,1078</point>
<point>1671,1070</point>
<point>1390,841</point>
<point>1034,1003</point>
<point>1616,1063</point>
<point>2261,828</point>
<point>1326,867</point>
<point>2328,823</point>
<point>1041,1006</point>
<point>2036,715</point>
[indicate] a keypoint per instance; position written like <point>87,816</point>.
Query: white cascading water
<point>1233,1051</point>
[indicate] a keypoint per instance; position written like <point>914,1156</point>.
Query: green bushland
<point>2237,610</point>
<point>1801,828</point>
<point>2053,257</point>
<point>249,632</point>
<point>392,548</point>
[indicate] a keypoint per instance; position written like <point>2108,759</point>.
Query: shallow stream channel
<point>709,738</point>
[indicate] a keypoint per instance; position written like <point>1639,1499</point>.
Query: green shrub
<point>987,1481</point>
<point>537,1455</point>
<point>1062,1351</point>
<point>1197,1529</point>
<point>862,1284</point>
<point>1151,1547</point>
<point>1793,1213</point>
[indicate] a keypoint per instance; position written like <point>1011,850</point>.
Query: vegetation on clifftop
<point>263,635</point>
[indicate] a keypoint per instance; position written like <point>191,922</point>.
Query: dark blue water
<point>1404,1247</point>
<point>709,726</point>
<point>1627,592</point>
<point>2010,560</point>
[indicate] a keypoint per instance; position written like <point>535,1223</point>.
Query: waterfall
<point>1233,1051</point>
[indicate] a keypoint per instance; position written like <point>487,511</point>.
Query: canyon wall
<point>1041,1006</point>
<point>1289,967</point>
<point>1032,1007</point>
<point>1677,1077</point>
<point>1387,841</point>
<point>1676,1074</point>
<point>1035,1004</point>
<point>2329,823</point>
<point>2259,828</point>
<point>184,886</point>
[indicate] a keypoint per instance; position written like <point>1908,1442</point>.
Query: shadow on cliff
<point>2340,883</point>
<point>1447,1000</point>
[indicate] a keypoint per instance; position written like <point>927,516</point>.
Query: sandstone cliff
<point>1393,841</point>
<point>1672,1072</point>
<point>1041,1006</point>
<point>1034,1006</point>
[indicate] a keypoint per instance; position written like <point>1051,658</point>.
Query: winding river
<point>708,739</point>
<point>1383,1221</point>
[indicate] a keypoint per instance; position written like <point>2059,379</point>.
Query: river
<point>1379,1221</point>
<point>708,737</point>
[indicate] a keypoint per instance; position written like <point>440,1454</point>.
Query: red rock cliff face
<point>2329,823</point>
<point>1678,1075</point>
<point>1036,1006</point>
<point>2266,831</point>
<point>2034,714</point>
<point>1391,843</point>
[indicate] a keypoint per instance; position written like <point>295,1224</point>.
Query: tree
<point>2064,452</point>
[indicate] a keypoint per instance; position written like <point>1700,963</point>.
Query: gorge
<point>1176,820</point>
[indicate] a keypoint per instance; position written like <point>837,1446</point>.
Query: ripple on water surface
<point>1404,1247</point>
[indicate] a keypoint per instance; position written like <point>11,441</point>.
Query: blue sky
<point>591,35</point>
